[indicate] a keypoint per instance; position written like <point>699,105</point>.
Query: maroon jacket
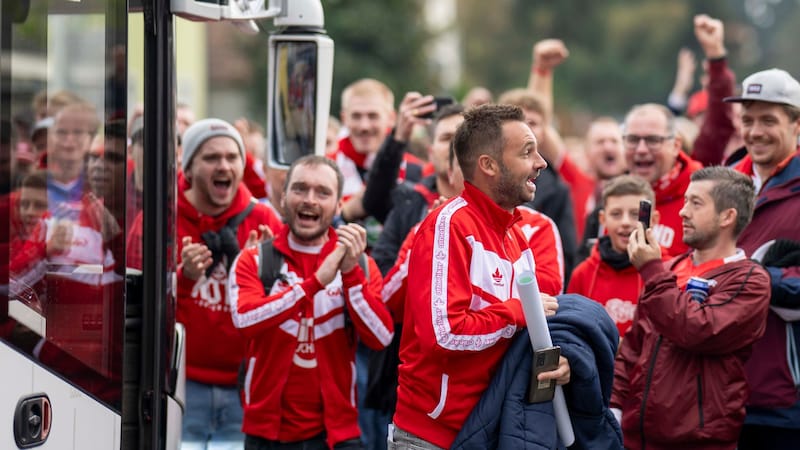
<point>679,375</point>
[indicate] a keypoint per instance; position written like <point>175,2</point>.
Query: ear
<point>487,165</point>
<point>678,144</point>
<point>727,218</point>
<point>601,216</point>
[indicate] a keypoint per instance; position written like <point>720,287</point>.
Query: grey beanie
<point>203,130</point>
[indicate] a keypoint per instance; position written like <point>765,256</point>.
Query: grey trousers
<point>402,440</point>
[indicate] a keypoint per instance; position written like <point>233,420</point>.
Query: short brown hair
<point>628,185</point>
<point>481,133</point>
<point>313,161</point>
<point>731,189</point>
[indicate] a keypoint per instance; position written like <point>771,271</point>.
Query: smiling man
<point>464,308</point>
<point>770,127</point>
<point>217,216</point>
<point>653,152</point>
<point>303,329</point>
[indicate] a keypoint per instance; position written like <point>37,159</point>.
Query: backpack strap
<point>270,261</point>
<point>235,221</point>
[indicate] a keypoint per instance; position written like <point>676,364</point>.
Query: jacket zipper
<point>647,382</point>
<point>700,399</point>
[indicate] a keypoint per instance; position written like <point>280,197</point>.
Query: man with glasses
<point>653,152</point>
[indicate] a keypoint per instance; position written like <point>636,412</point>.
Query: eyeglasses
<point>653,142</point>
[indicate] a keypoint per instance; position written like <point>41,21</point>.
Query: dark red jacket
<point>679,375</point>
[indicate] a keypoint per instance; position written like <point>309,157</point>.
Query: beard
<point>511,191</point>
<point>702,240</point>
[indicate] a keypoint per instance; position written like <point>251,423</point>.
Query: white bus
<point>90,354</point>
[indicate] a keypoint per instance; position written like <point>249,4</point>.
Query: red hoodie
<point>214,348</point>
<point>616,289</point>
<point>669,201</point>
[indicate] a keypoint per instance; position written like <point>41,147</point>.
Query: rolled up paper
<point>539,335</point>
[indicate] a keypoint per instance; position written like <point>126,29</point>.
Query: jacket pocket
<point>442,398</point>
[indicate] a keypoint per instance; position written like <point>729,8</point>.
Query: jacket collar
<point>496,217</point>
<point>673,184</point>
<point>282,244</point>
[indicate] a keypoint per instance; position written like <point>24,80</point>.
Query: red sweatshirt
<point>301,358</point>
<point>616,289</point>
<point>214,348</point>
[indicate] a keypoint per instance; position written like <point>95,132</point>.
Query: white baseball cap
<point>773,86</point>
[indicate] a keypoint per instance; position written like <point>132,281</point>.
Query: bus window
<point>65,100</point>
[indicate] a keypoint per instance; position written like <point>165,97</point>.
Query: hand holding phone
<point>544,360</point>
<point>644,212</point>
<point>440,103</point>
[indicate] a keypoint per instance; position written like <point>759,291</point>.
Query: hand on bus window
<point>61,239</point>
<point>254,239</point>
<point>195,259</point>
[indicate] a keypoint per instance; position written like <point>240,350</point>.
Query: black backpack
<point>224,242</point>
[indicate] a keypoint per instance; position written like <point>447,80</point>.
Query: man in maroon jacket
<point>679,379</point>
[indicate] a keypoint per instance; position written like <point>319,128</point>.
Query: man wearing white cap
<point>770,127</point>
<point>217,216</point>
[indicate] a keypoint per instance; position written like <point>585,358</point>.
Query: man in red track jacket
<point>464,307</point>
<point>300,383</point>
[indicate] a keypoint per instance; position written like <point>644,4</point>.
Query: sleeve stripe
<point>439,290</point>
<point>368,316</point>
<point>265,311</point>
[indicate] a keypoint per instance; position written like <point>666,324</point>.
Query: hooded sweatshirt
<point>608,278</point>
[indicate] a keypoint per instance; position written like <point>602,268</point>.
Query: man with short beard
<point>464,308</point>
<point>217,216</point>
<point>303,330</point>
<point>679,379</point>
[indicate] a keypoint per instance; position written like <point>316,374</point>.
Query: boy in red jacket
<point>607,275</point>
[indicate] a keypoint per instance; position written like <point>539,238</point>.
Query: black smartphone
<point>644,212</point>
<point>440,103</point>
<point>544,360</point>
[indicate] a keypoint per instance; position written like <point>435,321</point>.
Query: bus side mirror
<point>298,96</point>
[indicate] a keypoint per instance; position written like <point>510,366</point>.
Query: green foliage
<point>383,39</point>
<point>621,52</point>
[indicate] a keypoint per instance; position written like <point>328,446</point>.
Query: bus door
<point>70,193</point>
